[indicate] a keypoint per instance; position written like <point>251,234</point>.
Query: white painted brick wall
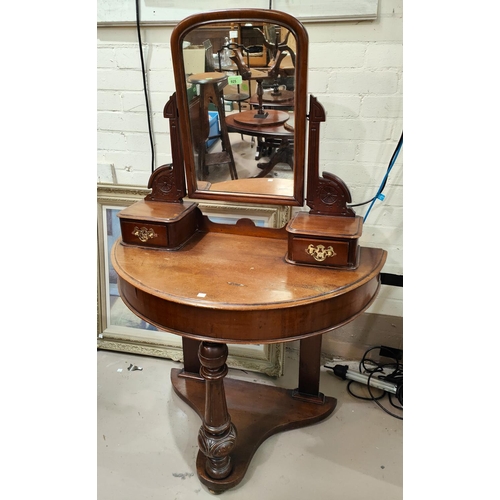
<point>355,71</point>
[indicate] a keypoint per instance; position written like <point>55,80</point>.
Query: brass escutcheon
<point>144,234</point>
<point>319,252</point>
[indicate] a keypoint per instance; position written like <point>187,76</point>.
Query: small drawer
<point>336,254</point>
<point>144,233</point>
<point>324,241</point>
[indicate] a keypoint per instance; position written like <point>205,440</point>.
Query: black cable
<point>137,18</point>
<point>363,203</point>
<point>349,390</point>
<point>376,401</point>
<point>382,187</point>
<point>395,377</point>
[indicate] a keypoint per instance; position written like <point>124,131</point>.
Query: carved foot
<point>217,449</point>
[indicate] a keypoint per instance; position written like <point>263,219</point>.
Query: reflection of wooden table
<point>271,101</point>
<point>229,288</point>
<point>273,186</point>
<point>280,133</point>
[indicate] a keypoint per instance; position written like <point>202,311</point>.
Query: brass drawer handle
<point>319,252</point>
<point>144,234</point>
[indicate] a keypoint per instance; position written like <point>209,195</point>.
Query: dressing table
<point>217,284</point>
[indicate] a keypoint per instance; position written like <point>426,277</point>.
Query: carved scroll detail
<point>331,197</point>
<point>217,449</point>
<point>326,195</point>
<point>163,185</point>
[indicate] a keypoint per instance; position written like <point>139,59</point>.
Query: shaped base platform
<point>257,411</point>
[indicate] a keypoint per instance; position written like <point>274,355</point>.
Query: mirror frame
<point>300,117</point>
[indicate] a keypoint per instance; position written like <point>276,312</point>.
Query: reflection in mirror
<point>240,88</point>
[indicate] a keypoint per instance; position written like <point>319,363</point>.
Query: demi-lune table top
<point>239,289</point>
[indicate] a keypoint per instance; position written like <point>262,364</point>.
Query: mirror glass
<point>241,91</point>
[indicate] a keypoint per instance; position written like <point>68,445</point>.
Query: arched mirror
<point>241,78</point>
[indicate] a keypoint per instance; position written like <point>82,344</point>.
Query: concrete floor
<point>147,441</point>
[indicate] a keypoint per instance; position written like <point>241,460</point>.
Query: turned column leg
<point>217,435</point>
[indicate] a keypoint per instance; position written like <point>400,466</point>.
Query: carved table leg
<point>217,435</point>
<point>258,411</point>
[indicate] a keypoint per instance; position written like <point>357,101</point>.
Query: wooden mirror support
<point>328,234</point>
<point>215,284</point>
<point>163,219</point>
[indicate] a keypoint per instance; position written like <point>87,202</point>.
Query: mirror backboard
<point>241,85</point>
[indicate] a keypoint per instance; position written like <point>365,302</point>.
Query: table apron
<point>250,325</point>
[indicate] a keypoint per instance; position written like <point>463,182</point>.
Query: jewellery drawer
<point>144,234</point>
<point>324,240</point>
<point>158,224</point>
<point>340,254</point>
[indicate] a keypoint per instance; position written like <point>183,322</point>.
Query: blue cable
<point>379,195</point>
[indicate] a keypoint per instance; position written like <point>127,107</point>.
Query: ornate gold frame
<point>267,359</point>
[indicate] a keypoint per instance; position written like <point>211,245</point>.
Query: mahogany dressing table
<point>218,284</point>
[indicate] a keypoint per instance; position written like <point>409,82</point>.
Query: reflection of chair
<point>248,73</point>
<point>224,65</point>
<point>278,98</point>
<point>211,85</point>
<point>279,50</point>
<point>261,124</point>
